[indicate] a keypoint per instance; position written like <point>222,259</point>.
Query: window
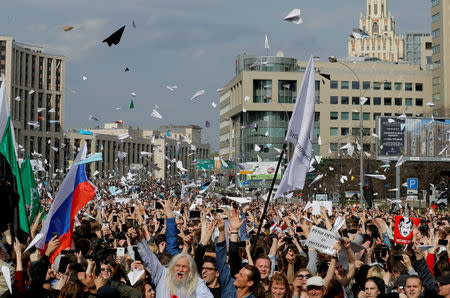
<point>333,84</point>
<point>375,115</point>
<point>334,116</point>
<point>376,86</point>
<point>355,100</point>
<point>419,86</point>
<point>436,33</point>
<point>345,131</point>
<point>317,92</point>
<point>344,84</point>
<point>287,91</point>
<point>334,131</point>
<point>398,86</point>
<point>419,102</point>
<point>316,116</point>
<point>436,81</point>
<point>344,100</point>
<point>375,27</point>
<point>355,116</point>
<point>334,100</point>
<point>387,101</point>
<point>262,91</point>
<point>366,116</point>
<point>334,147</point>
<point>436,96</point>
<point>433,3</point>
<point>355,131</point>
<point>366,85</point>
<point>366,132</point>
<point>436,49</point>
<point>344,115</point>
<point>377,101</point>
<point>398,101</point>
<point>388,86</point>
<point>355,85</point>
<point>435,17</point>
<point>408,102</point>
<point>408,86</point>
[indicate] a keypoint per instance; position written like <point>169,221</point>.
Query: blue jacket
<point>172,236</point>
<point>226,280</point>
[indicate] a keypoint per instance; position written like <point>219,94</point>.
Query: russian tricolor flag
<point>75,192</point>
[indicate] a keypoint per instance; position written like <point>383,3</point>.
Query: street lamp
<point>333,59</point>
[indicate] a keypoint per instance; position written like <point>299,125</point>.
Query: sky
<point>188,43</point>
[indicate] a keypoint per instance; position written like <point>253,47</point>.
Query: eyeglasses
<point>208,268</point>
<point>304,276</point>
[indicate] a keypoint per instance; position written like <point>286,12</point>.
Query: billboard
<point>259,170</point>
<point>417,139</point>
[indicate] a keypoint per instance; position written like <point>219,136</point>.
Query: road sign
<point>411,198</point>
<point>412,191</point>
<point>413,183</point>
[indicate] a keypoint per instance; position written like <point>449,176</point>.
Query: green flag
<point>7,150</point>
<point>30,189</point>
<point>132,105</point>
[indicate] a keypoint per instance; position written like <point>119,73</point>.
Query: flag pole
<point>268,199</point>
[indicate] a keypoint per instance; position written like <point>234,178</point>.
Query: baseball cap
<point>315,281</point>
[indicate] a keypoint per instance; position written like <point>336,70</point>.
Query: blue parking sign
<point>413,183</point>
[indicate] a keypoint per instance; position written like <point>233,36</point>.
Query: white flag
<point>300,133</point>
<point>266,42</point>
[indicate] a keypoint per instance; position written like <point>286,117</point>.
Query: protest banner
<point>322,240</point>
<point>404,229</point>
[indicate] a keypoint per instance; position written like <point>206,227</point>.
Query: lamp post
<point>333,59</point>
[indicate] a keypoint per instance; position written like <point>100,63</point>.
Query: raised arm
<point>151,262</point>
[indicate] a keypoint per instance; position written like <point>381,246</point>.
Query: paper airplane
<point>67,28</point>
<point>294,17</point>
<point>430,104</point>
<point>363,100</point>
<point>220,89</point>
<point>197,94</point>
<point>247,99</point>
<point>18,98</point>
<point>381,177</point>
<point>400,161</point>
<point>214,104</point>
<point>115,37</point>
<point>171,88</point>
<point>155,114</point>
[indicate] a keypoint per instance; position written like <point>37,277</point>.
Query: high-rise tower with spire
<point>380,41</point>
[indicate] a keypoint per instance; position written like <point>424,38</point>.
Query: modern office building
<point>440,29</point>
<point>418,49</point>
<point>379,39</point>
<point>256,104</point>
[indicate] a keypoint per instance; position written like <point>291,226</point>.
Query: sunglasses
<point>304,276</point>
<point>105,269</point>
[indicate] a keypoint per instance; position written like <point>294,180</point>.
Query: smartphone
<point>398,257</point>
<point>132,209</point>
<point>114,217</point>
<point>241,244</point>
<point>298,229</point>
<point>442,242</point>
<point>352,231</point>
<point>194,214</point>
<point>218,210</point>
<point>161,221</point>
<point>105,224</point>
<point>55,234</point>
<point>121,251</point>
<point>63,262</point>
<point>288,239</point>
<point>158,205</point>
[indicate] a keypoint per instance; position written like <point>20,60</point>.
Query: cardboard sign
<point>322,240</point>
<point>404,229</point>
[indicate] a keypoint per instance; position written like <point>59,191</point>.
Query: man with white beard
<point>180,279</point>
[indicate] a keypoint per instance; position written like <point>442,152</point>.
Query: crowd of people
<point>152,240</point>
